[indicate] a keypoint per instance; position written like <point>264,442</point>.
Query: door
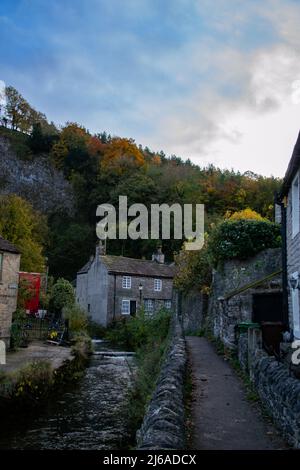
<point>268,312</point>
<point>132,307</point>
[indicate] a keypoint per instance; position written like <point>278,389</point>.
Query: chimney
<point>100,249</point>
<point>159,257</point>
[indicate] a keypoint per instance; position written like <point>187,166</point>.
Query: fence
<point>39,328</point>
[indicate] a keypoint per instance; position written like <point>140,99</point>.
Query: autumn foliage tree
<point>122,155</point>
<point>26,229</point>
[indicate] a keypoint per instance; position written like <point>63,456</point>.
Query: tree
<point>122,155</point>
<point>70,245</point>
<point>17,109</point>
<point>62,295</point>
<point>25,228</point>
<point>18,112</point>
<point>42,137</point>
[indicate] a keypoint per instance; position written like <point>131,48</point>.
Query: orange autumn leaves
<point>121,155</point>
<point>118,155</point>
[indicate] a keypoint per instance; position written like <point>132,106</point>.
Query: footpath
<point>223,418</point>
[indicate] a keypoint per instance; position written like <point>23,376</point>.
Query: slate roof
<point>137,267</point>
<point>86,267</point>
<point>292,169</point>
<point>7,246</point>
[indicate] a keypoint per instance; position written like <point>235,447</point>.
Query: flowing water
<point>89,415</point>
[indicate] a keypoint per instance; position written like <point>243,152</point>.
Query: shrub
<point>135,332</point>
<point>62,295</point>
<point>193,270</point>
<point>95,330</point>
<point>242,239</point>
<point>34,380</point>
<point>245,214</point>
<point>78,321</point>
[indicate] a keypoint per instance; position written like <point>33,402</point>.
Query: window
<point>125,307</point>
<point>149,305</point>
<point>295,309</point>
<point>157,285</point>
<point>295,206</point>
<point>1,265</point>
<point>168,304</point>
<point>126,282</point>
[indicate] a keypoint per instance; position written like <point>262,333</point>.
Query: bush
<point>193,270</point>
<point>136,332</point>
<point>78,321</point>
<point>34,380</point>
<point>245,214</point>
<point>242,239</point>
<point>62,295</point>
<point>95,330</point>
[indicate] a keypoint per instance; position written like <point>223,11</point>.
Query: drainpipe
<point>282,204</point>
<point>115,283</point>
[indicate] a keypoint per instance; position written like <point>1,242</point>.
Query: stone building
<point>9,279</point>
<point>113,287</point>
<point>289,199</point>
<point>246,291</point>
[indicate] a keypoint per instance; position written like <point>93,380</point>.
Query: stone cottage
<point>113,287</point>
<point>289,200</point>
<point>9,279</point>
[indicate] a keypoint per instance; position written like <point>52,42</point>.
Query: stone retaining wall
<point>280,393</point>
<point>163,426</point>
<point>277,387</point>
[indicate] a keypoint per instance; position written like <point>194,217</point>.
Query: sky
<point>214,81</point>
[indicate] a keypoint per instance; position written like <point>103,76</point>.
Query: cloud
<point>209,83</point>
<point>246,112</point>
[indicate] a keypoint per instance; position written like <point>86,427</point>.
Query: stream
<point>89,415</point>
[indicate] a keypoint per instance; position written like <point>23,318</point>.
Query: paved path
<point>222,416</point>
<point>36,351</point>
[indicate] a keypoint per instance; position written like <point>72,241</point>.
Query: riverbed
<point>92,414</point>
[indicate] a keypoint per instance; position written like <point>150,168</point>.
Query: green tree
<point>26,228</point>
<point>62,296</point>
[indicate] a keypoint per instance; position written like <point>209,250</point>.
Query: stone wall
<point>225,313</point>
<point>191,309</point>
<point>8,293</point>
<point>163,426</point>
<point>278,389</point>
<point>280,393</point>
<point>158,297</point>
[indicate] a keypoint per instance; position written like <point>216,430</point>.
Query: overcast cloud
<point>217,82</point>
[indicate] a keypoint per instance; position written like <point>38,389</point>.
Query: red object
<point>33,284</point>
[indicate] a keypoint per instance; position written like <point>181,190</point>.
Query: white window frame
<point>125,310</point>
<point>168,304</point>
<point>148,302</point>
<point>295,206</point>
<point>295,308</point>
<point>157,285</point>
<point>126,282</point>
